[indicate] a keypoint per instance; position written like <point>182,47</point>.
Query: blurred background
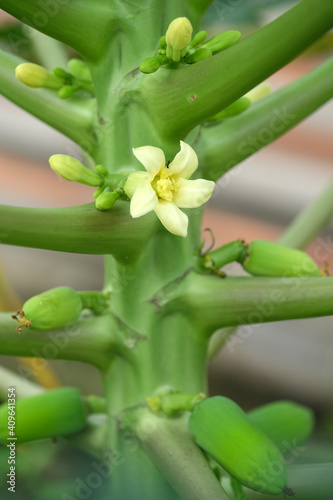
<point>257,199</point>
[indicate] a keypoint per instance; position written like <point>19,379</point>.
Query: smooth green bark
<point>93,341</point>
<point>80,229</point>
<point>233,301</point>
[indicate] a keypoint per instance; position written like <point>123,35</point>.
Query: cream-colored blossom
<point>166,188</point>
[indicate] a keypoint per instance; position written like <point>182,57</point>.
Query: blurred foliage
<point>243,11</point>
<point>52,471</point>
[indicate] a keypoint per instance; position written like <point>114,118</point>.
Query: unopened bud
<point>72,169</point>
<point>36,76</point>
<point>198,38</point>
<point>178,37</point>
<point>67,91</point>
<point>150,65</point>
<point>79,69</point>
<point>198,55</point>
<point>106,200</point>
<point>222,41</point>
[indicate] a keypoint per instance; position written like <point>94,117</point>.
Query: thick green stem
<point>308,224</point>
<point>73,117</point>
<point>172,449</point>
<point>92,341</point>
<point>81,229</point>
<point>217,302</point>
<point>216,82</point>
<point>224,146</point>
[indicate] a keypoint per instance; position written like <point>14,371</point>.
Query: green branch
<point>91,341</point>
<point>73,117</point>
<point>308,224</point>
<point>80,24</point>
<point>234,301</point>
<point>81,229</point>
<point>171,448</point>
<point>199,91</point>
<point>224,146</point>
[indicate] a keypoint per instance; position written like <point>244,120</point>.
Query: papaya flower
<point>165,187</point>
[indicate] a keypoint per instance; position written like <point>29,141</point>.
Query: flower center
<point>164,184</point>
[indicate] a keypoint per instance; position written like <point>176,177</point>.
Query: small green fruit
<point>265,258</point>
<point>54,308</point>
<point>222,429</point>
<point>286,423</point>
<point>55,413</point>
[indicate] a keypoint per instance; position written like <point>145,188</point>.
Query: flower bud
<point>222,41</point>
<point>36,76</point>
<point>72,169</point>
<point>178,37</point>
<point>79,69</point>
<point>61,73</point>
<point>265,258</point>
<point>54,308</point>
<point>150,65</point>
<point>198,38</point>
<point>54,413</point>
<point>163,42</point>
<point>198,55</point>
<point>106,200</point>
<point>67,91</point>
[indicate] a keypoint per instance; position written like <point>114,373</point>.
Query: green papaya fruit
<point>265,258</point>
<point>54,308</point>
<point>222,429</point>
<point>54,413</point>
<point>286,423</point>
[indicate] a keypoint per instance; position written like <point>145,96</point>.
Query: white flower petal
<point>151,158</point>
<point>192,194</point>
<point>133,181</point>
<point>173,219</point>
<point>143,200</point>
<point>185,162</point>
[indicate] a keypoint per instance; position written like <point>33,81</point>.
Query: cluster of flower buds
<point>109,186</point>
<point>177,46</point>
<point>65,82</point>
